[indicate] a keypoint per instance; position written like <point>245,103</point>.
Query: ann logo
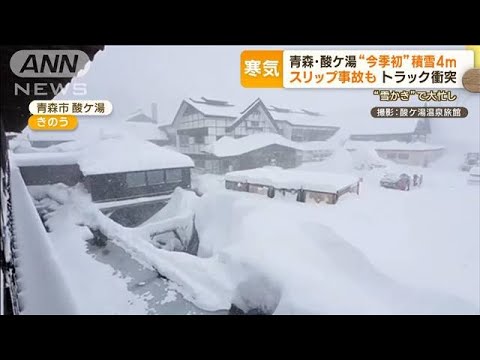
<point>55,65</point>
<point>48,63</point>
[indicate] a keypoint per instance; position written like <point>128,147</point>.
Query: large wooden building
<point>248,152</point>
<point>200,123</point>
<point>111,170</point>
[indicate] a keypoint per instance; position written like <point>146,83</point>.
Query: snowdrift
<point>271,256</point>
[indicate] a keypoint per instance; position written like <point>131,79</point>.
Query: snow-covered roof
<point>215,107</point>
<point>128,154</point>
<point>144,131</point>
<point>392,145</point>
<point>45,158</point>
<point>112,155</point>
<point>97,128</point>
<point>316,145</point>
<point>372,126</point>
<point>293,179</point>
<point>301,117</point>
<point>228,146</point>
<point>246,112</point>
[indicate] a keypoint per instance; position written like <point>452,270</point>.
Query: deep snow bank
<point>96,288</point>
<point>43,286</point>
<point>265,254</point>
<point>314,269</point>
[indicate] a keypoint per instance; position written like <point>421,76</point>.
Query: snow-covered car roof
<point>475,170</point>
<point>393,176</point>
<point>293,179</point>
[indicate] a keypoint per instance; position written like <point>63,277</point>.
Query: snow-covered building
<point>111,170</point>
<point>257,150</point>
<point>303,186</point>
<point>139,125</point>
<point>303,125</point>
<point>413,153</point>
<point>199,123</point>
<point>404,130</point>
<point>146,127</point>
<point>248,152</point>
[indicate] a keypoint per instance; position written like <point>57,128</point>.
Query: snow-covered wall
<point>42,287</point>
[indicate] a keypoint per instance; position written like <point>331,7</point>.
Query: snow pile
<point>293,179</point>
<point>180,212</point>
<point>309,268</point>
<point>95,287</point>
<point>270,256</point>
<point>289,258</point>
<point>366,158</point>
<point>204,183</point>
<point>340,162</point>
<point>274,257</point>
<point>43,286</point>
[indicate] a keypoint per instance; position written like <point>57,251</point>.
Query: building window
<point>155,177</point>
<point>199,139</point>
<point>183,140</point>
<point>254,123</point>
<point>136,179</point>
<point>173,175</point>
<point>200,163</point>
<point>391,156</point>
<point>403,156</point>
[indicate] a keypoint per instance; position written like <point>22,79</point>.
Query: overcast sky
<point>132,77</point>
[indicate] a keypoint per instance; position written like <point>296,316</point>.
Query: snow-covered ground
<point>427,238</point>
<point>383,251</point>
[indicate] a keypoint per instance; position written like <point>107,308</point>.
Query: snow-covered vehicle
<point>474,175</point>
<point>396,181</point>
<point>471,160</point>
